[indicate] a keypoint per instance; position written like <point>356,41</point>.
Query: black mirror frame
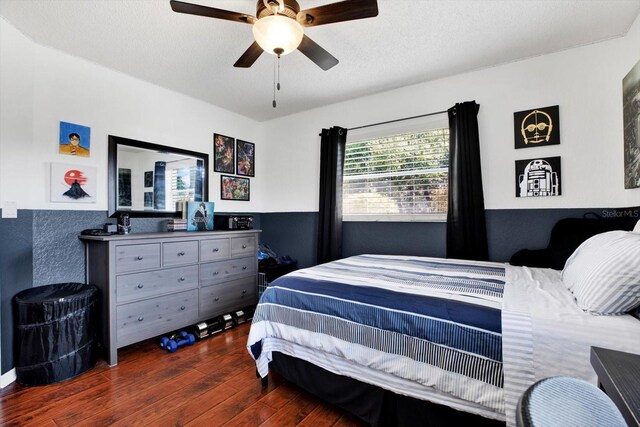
<point>114,141</point>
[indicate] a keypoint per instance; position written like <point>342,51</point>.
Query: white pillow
<point>636,229</point>
<point>604,273</point>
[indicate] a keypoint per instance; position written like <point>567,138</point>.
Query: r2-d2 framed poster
<point>537,127</point>
<point>538,177</point>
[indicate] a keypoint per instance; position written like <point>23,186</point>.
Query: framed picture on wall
<point>537,127</point>
<point>75,140</point>
<point>148,199</point>
<point>223,153</point>
<point>631,123</point>
<point>245,158</point>
<point>148,179</point>
<point>124,187</point>
<point>234,188</point>
<point>538,177</point>
<point>73,183</point>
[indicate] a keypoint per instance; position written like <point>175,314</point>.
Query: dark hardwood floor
<point>212,383</point>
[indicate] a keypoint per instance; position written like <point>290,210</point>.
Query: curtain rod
<point>398,120</point>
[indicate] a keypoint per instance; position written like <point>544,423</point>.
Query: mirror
<point>151,180</point>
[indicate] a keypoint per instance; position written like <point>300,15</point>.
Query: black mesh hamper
<point>55,332</point>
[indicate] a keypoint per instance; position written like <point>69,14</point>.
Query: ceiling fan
<point>278,26</point>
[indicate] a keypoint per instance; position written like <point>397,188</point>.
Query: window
<point>181,184</point>
<point>397,174</point>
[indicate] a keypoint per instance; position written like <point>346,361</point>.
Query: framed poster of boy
<point>75,140</point>
<point>537,127</point>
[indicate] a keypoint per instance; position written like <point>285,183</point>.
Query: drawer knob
<point>180,253</point>
<point>182,279</point>
<point>215,249</point>
<point>215,273</point>
<point>140,286</point>
<point>244,291</point>
<point>216,299</point>
<point>244,268</point>
<point>139,258</point>
<point>244,246</point>
<point>140,319</point>
<point>183,307</point>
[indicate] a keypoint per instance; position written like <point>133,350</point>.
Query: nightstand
<point>619,376</point>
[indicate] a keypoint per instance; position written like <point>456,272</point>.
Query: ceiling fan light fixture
<point>278,32</point>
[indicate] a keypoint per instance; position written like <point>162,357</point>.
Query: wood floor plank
<point>229,408</point>
<point>196,391</point>
<point>192,408</point>
<point>120,388</point>
<point>348,420</point>
<point>324,415</point>
<point>254,415</point>
<point>45,422</point>
<point>36,397</point>
<point>209,384</point>
<point>293,412</point>
<point>139,401</point>
<point>281,395</point>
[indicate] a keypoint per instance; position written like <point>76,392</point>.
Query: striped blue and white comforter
<point>423,327</point>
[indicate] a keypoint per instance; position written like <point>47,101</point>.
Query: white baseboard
<point>7,378</point>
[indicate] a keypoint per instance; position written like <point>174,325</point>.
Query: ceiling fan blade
<point>210,12</point>
<point>346,10</point>
<point>317,54</point>
<point>249,56</point>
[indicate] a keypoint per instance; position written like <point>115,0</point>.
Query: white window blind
<point>181,184</point>
<point>397,174</point>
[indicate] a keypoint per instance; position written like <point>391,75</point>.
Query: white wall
<point>42,86</point>
<point>586,83</point>
<point>16,106</point>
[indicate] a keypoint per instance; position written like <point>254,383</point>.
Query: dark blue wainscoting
<point>293,234</point>
<point>508,230</point>
<point>42,247</point>
<point>16,274</point>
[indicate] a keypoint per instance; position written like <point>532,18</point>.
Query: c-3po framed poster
<point>537,127</point>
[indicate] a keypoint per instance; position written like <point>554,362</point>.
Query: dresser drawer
<point>179,253</point>
<point>243,246</point>
<point>216,272</point>
<point>132,287</point>
<point>213,249</point>
<point>145,319</point>
<point>137,257</point>
<point>228,296</point>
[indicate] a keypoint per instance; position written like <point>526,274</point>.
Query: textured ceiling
<point>409,42</point>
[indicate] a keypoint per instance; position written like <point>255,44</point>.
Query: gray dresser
<point>153,283</point>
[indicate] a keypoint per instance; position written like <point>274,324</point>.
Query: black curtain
<point>332,147</point>
<point>466,227</point>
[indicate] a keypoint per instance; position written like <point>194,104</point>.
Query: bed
<point>464,334</point>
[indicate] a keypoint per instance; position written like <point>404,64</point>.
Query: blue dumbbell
<point>176,341</point>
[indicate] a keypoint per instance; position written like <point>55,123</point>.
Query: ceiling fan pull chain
<point>274,82</point>
<point>278,86</point>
